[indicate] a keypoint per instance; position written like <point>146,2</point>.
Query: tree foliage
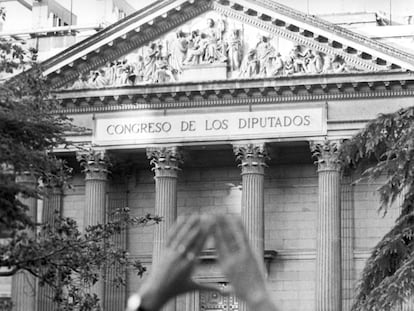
<point>69,261</point>
<point>60,256</point>
<point>388,144</point>
<point>28,132</point>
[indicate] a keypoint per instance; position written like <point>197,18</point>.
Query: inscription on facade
<point>144,129</point>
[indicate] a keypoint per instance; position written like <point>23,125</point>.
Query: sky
<point>19,18</point>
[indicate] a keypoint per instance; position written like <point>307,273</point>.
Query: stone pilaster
<point>52,206</point>
<point>95,166</point>
<point>347,239</point>
<point>252,159</point>
<point>23,289</point>
<point>165,162</point>
<point>328,244</point>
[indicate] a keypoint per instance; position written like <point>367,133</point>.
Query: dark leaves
<point>385,148</point>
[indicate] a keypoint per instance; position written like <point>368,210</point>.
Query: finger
<point>220,239</point>
<point>239,227</point>
<point>236,227</point>
<point>195,239</point>
<point>174,230</point>
<point>183,228</point>
<point>229,236</point>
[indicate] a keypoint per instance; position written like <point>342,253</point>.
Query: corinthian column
<point>95,166</point>
<point>52,206</point>
<point>328,244</point>
<point>23,289</point>
<point>252,159</point>
<point>165,163</point>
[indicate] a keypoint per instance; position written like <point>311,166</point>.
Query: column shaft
<point>95,166</point>
<point>166,207</point>
<point>95,191</point>
<point>252,212</point>
<point>252,158</point>
<point>165,161</point>
<point>94,213</point>
<point>23,289</point>
<point>328,248</point>
<point>115,296</point>
<point>328,287</point>
<point>52,205</point>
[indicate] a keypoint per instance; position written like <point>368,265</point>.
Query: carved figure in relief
<point>338,65</point>
<point>334,64</point>
<point>214,42</point>
<point>288,66</point>
<point>313,62</point>
<point>101,79</point>
<point>264,50</point>
<point>235,50</point>
<point>275,64</point>
<point>327,63</point>
<point>123,72</point>
<point>163,71</point>
<point>81,82</point>
<point>179,51</point>
<point>196,48</point>
<point>139,70</point>
<point>297,59</point>
<point>165,59</point>
<point>149,62</point>
<point>250,65</point>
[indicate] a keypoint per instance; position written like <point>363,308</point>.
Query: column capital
<point>327,154</point>
<point>165,161</point>
<point>94,163</point>
<point>252,157</point>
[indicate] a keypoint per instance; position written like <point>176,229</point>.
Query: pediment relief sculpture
<point>212,47</point>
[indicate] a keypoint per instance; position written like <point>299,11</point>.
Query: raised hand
<point>172,275</point>
<point>240,265</point>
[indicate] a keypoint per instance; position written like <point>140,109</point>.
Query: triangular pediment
<point>173,41</point>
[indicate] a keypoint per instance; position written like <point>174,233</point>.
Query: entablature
<point>344,86</point>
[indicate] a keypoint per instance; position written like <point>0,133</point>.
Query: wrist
<point>144,300</point>
<point>151,300</point>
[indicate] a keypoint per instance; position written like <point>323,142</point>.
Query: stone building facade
<point>233,108</point>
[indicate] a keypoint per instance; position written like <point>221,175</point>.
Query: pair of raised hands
<point>172,276</point>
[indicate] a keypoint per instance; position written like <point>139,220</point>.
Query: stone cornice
<point>239,92</point>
